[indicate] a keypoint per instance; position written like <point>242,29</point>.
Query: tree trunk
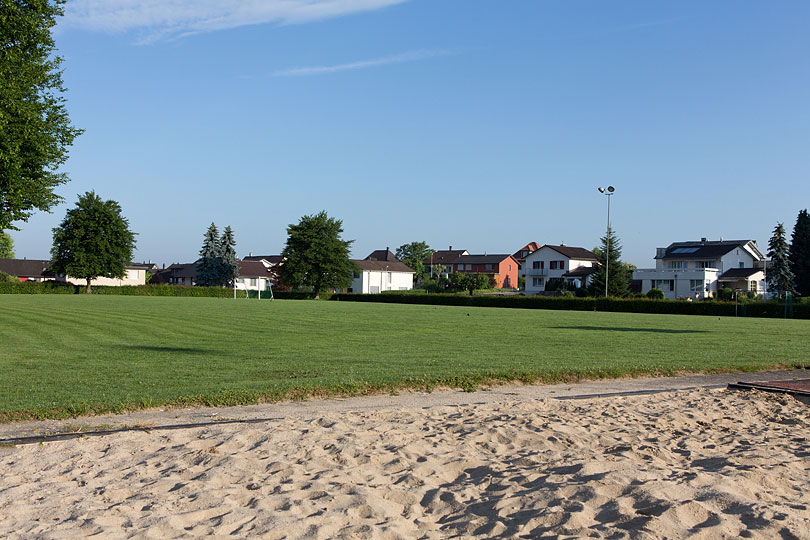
<point>317,290</point>
<point>87,290</point>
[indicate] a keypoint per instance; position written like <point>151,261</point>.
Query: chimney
<point>703,240</point>
<point>387,251</point>
<point>450,249</point>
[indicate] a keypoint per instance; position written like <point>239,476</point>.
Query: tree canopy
<point>780,277</point>
<point>93,240</point>
<point>316,256</point>
<point>618,285</point>
<point>6,246</point>
<point>800,253</point>
<point>413,255</point>
<point>35,130</point>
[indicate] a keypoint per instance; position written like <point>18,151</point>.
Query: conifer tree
<point>780,277</point>
<point>209,265</point>
<point>229,264</point>
<point>617,271</point>
<point>800,253</point>
<point>6,246</point>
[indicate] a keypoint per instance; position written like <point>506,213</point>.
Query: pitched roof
<point>703,249</point>
<point>181,270</point>
<point>381,255</point>
<point>483,259</point>
<point>272,259</point>
<point>739,273</point>
<point>580,271</point>
<point>445,256</point>
<point>578,253</point>
<point>26,267</point>
<point>254,269</point>
<point>382,266</point>
<point>531,247</point>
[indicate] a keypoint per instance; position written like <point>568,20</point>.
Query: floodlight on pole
<point>607,191</point>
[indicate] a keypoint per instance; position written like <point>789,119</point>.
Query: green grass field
<point>67,355</point>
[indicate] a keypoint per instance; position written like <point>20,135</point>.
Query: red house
<point>502,268</point>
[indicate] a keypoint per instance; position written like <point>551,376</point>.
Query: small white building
<point>698,269</point>
<point>381,271</point>
<point>574,265</point>
<point>254,276</point>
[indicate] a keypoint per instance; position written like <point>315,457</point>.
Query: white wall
<point>373,281</point>
<point>546,255</point>
<point>132,277</point>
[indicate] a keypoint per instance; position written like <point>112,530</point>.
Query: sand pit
<point>695,464</point>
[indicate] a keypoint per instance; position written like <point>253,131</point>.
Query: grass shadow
<point>164,349</point>
<point>626,329</point>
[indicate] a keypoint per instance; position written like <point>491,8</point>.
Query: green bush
<point>655,294</point>
<point>36,287</point>
<point>8,278</point>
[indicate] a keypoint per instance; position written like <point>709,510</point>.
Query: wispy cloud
<point>166,19</point>
<point>411,56</point>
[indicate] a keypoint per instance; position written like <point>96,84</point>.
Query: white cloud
<point>410,56</point>
<point>161,19</point>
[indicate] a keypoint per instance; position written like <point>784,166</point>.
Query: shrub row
<point>52,287</point>
<point>631,305</point>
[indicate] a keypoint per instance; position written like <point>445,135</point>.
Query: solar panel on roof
<point>685,250</point>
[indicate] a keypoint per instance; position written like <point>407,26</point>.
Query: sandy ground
<point>702,463</point>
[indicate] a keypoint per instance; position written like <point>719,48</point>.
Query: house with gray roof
<point>698,269</point>
<point>574,266</point>
<point>379,272</point>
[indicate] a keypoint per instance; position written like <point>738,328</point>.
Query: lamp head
<point>611,189</point>
<point>601,190</point>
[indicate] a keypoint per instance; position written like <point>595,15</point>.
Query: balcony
<point>537,271</point>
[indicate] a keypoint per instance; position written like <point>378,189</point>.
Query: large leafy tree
<point>413,255</point>
<point>6,246</point>
<point>228,263</point>
<point>93,240</point>
<point>209,265</point>
<point>780,277</point>
<point>35,130</point>
<point>316,256</point>
<point>799,254</point>
<point>610,252</point>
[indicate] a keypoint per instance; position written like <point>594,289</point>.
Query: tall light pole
<point>607,191</point>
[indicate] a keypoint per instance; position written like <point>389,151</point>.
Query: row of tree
<point>218,265</point>
<point>789,271</point>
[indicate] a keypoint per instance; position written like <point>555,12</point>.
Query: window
<point>389,278</point>
<point>663,284</point>
<point>677,265</point>
<point>552,265</point>
<point>460,267</point>
<point>704,264</point>
<point>355,275</point>
<point>537,282</point>
<point>561,265</point>
<point>753,286</point>
<point>488,267</point>
<point>742,264</point>
<point>469,267</point>
<point>537,265</point>
<point>253,282</point>
<point>696,285</point>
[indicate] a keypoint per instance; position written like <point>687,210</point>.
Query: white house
<point>574,265</point>
<point>254,276</point>
<point>698,269</point>
<point>381,271</point>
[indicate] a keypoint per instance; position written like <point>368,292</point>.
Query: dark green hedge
<point>52,287</point>
<point>633,305</point>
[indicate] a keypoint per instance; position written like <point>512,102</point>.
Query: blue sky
<point>478,124</point>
